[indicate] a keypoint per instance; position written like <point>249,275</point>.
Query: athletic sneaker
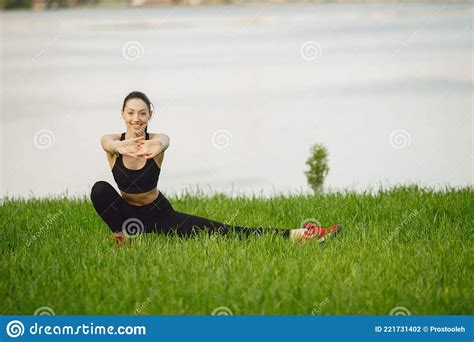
<point>119,240</point>
<point>320,233</point>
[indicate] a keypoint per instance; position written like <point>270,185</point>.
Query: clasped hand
<point>139,147</point>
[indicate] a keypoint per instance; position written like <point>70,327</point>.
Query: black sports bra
<point>136,181</point>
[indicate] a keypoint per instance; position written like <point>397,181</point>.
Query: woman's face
<point>136,115</point>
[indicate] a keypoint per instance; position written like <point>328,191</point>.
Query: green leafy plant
<point>318,167</point>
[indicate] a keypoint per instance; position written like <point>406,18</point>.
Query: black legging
<point>158,216</point>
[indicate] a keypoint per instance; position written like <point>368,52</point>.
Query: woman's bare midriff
<point>141,199</point>
<point>137,199</point>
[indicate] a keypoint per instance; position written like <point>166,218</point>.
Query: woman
<point>135,158</point>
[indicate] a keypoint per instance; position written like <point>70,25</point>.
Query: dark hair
<point>141,96</point>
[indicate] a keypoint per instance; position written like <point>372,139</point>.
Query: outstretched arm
<point>163,141</point>
<point>111,144</point>
<point>156,145</point>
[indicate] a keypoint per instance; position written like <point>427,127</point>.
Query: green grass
<point>408,247</point>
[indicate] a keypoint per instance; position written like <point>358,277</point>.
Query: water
<point>389,93</point>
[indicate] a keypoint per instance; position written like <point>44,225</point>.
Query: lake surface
<point>242,91</point>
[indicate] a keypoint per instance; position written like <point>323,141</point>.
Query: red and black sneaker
<point>119,240</point>
<point>314,231</point>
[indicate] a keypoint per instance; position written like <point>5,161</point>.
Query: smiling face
<point>136,115</point>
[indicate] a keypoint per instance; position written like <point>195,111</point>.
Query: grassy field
<point>406,250</point>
